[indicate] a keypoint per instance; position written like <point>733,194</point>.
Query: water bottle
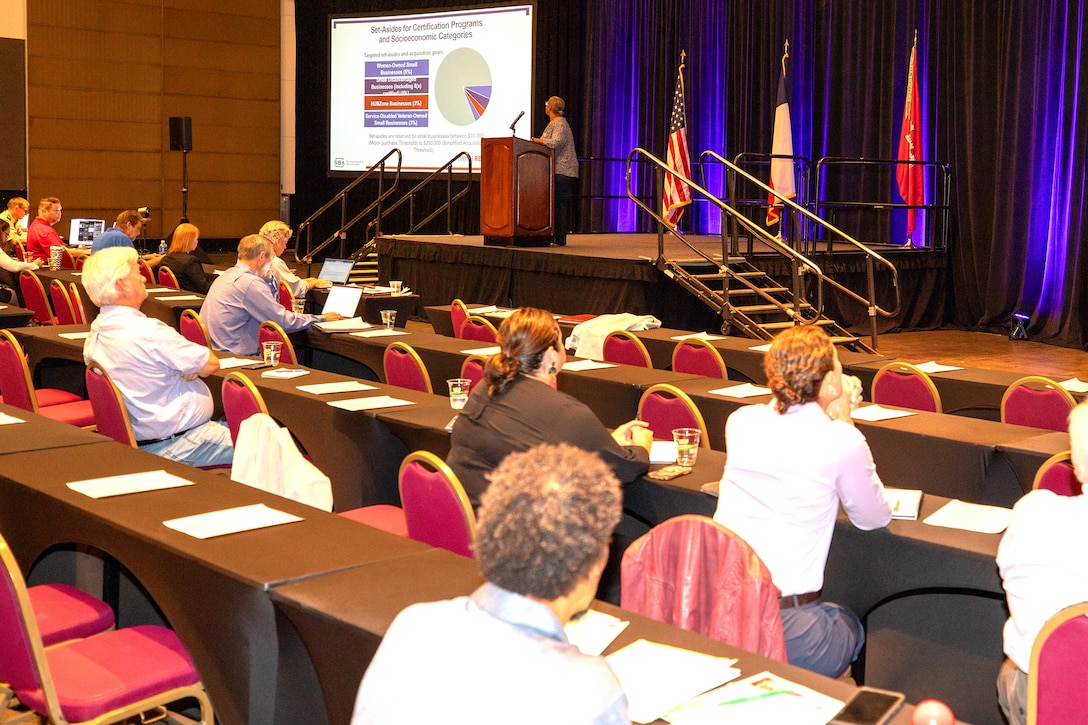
<point>162,247</point>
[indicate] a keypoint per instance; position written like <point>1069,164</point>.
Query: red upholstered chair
<point>145,270</point>
<point>698,357</point>
<point>270,331</point>
<point>473,369</point>
<point>458,314</point>
<point>167,278</point>
<point>1059,670</point>
<point>17,389</point>
<point>666,408</point>
<point>192,328</point>
<point>285,297</point>
<point>67,261</point>
<point>80,261</point>
<point>694,573</point>
<point>110,413</point>
<point>77,303</point>
<point>1037,402</point>
<point>241,399</point>
<point>107,678</point>
<point>34,298</point>
<point>1057,475</point>
<point>477,328</point>
<point>404,369</point>
<point>64,613</point>
<point>622,347</point>
<point>905,386</point>
<point>436,506</point>
<point>20,250</point>
<point>62,304</point>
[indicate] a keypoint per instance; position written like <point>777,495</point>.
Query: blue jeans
<point>822,637</point>
<point>205,445</point>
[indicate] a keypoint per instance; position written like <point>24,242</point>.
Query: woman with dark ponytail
<point>517,406</point>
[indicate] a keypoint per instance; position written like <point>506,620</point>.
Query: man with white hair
<point>156,369</point>
<point>278,233</point>
<point>1041,559</point>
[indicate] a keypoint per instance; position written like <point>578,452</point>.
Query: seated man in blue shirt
<point>500,655</point>
<point>124,233</point>
<point>241,298</point>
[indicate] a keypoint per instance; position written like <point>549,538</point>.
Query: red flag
<point>909,176</point>
<point>781,145</point>
<point>677,193</point>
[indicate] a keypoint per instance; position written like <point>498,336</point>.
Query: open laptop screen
<point>83,231</point>
<point>336,271</point>
<point>344,300</point>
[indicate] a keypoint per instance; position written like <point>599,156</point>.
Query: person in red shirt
<point>41,235</point>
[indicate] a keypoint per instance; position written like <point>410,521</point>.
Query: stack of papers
<point>128,483</point>
<point>594,631</point>
<point>226,363</point>
<point>349,325</point>
<point>905,503</point>
<point>971,517</point>
<point>230,521</point>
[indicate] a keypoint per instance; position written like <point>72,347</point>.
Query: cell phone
<point>869,706</point>
<point>669,472</point>
<point>255,366</point>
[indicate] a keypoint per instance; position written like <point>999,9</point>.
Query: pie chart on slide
<point>462,87</point>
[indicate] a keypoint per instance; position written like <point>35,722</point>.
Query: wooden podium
<point>517,192</point>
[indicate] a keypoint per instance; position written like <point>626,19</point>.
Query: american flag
<point>677,193</point>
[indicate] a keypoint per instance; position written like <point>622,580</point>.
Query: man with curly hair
<point>791,463</point>
<point>500,655</point>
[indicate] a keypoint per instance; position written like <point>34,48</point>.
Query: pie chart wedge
<point>462,86</point>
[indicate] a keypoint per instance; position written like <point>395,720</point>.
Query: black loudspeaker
<point>181,133</point>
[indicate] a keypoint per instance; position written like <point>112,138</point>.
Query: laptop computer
<point>344,300</point>
<point>83,231</point>
<point>336,271</point>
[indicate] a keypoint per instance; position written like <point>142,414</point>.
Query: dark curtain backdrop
<point>1003,96</point>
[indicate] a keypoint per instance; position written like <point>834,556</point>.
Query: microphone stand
<point>184,187</point>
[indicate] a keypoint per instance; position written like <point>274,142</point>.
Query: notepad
<point>744,390</point>
<point>349,325</point>
<point>905,502</point>
<point>226,363</point>
<point>375,403</point>
<point>128,483</point>
<point>230,521</point>
<point>341,386</point>
<point>663,452</point>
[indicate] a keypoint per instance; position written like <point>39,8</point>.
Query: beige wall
<point>103,79</point>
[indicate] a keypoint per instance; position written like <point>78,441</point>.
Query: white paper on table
<point>935,367</point>
<point>347,325</point>
<point>698,336</point>
<point>874,413</point>
<point>6,419</point>
<point>284,373</point>
<point>484,310</point>
<point>744,390</point>
<point>74,335</point>
<point>489,350</point>
<point>594,631</point>
<point>343,386</point>
<point>663,452</point>
<point>501,313</point>
<point>761,348</point>
<point>128,483</point>
<point>219,271</point>
<point>161,289</point>
<point>381,332</point>
<point>582,365</point>
<point>984,519</point>
<point>3,307</point>
<point>657,677</point>
<point>179,297</point>
<point>77,274</point>
<point>230,521</point>
<point>906,503</point>
<point>378,401</point>
<point>226,363</point>
<point>762,698</point>
<point>1074,385</point>
<point>377,290</point>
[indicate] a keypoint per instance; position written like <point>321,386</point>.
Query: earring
<point>552,370</point>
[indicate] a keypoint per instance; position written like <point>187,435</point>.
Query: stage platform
<point>606,273</point>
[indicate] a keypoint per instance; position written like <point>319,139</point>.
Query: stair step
<point>783,325</point>
<point>839,340</point>
<point>757,309</point>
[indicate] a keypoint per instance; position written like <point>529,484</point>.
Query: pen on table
<point>760,696</point>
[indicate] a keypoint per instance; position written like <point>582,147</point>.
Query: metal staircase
<point>749,300</point>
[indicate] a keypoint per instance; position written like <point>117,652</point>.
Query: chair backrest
<point>620,346</point>
<point>67,261</point>
<point>477,328</point>
<point>405,369</point>
<point>694,573</point>
<point>80,261</point>
<point>20,250</point>
<point>1057,475</point>
<point>145,271</point>
<point>22,656</point>
<point>698,357</point>
<point>473,369</point>
<point>34,298</point>
<point>436,506</point>
<point>167,278</point>
<point>905,386</point>
<point>110,414</point>
<point>15,383</point>
<point>283,293</point>
<point>1059,669</point>
<point>1037,402</point>
<point>62,303</point>
<point>270,331</point>
<point>192,328</point>
<point>77,304</point>
<point>666,408</point>
<point>241,399</point>
<point>458,313</point>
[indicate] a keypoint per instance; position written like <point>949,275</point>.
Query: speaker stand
<point>184,187</point>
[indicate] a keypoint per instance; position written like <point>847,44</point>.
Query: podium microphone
<point>515,123</point>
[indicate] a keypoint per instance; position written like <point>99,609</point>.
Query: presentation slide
<point>430,84</point>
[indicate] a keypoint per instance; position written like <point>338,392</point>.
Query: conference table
<point>162,303</point>
<point>13,316</point>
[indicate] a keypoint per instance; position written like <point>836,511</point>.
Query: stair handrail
<point>409,196</point>
<point>801,262</point>
<point>305,229</point>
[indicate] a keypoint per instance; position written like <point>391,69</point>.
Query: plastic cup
<point>389,317</point>
<point>271,352</point>
<point>687,445</point>
<point>396,286</point>
<point>300,305</point>
<point>56,254</point>
<point>459,389</point>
